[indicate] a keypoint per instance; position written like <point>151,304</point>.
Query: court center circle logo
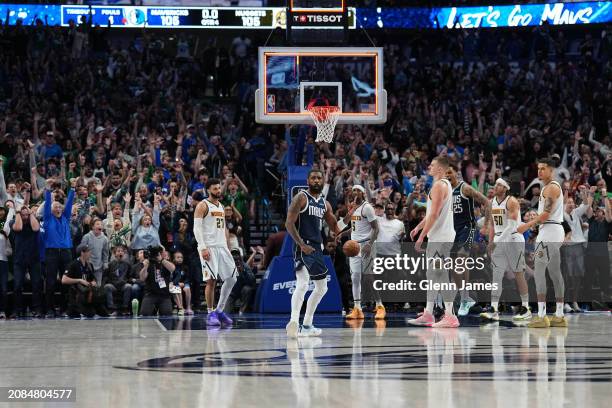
<point>405,363</point>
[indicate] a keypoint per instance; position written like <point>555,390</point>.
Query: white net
<point>325,117</point>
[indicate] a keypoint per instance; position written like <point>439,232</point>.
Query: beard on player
<point>315,188</point>
<point>216,196</point>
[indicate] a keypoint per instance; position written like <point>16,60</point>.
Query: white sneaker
<point>292,329</point>
<point>465,307</point>
<point>524,313</point>
<point>491,315</point>
<point>567,308</point>
<point>309,331</point>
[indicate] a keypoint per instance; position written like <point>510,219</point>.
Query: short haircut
<point>314,171</point>
<point>548,162</point>
<point>442,161</point>
<point>454,167</point>
<point>211,182</point>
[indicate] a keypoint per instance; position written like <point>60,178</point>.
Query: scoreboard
<point>183,17</point>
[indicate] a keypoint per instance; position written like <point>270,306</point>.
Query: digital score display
<point>182,17</point>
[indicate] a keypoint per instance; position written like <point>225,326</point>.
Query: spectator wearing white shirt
<point>573,250</point>
<point>391,232</point>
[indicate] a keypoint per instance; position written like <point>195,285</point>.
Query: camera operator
<point>84,297</point>
<point>156,273</point>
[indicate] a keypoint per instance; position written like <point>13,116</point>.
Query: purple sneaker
<point>213,319</point>
<point>224,319</point>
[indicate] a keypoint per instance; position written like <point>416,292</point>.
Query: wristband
<point>342,225</point>
<point>201,248</point>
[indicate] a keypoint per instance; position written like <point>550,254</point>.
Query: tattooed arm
<point>551,194</point>
<point>484,203</point>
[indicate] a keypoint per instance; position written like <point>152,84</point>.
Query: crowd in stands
<point>107,140</point>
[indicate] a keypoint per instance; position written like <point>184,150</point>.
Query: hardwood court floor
<point>176,362</point>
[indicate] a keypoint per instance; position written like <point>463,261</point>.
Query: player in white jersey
<point>364,230</point>
<point>439,228</point>
<point>508,250</point>
<point>215,257</point>
<point>548,245</point>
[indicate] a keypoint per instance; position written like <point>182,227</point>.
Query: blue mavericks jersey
<point>463,209</point>
<point>310,220</point>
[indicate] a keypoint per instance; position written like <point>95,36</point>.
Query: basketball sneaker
<point>309,331</point>
<point>539,323</point>
<point>465,307</point>
<point>524,313</point>
<point>492,315</point>
<point>380,313</point>
<point>356,313</point>
<point>213,319</point>
<point>224,319</point>
<point>447,321</point>
<point>292,329</point>
<point>558,321</point>
<point>423,319</point>
<point>577,308</point>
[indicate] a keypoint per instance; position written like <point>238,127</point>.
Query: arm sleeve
<point>510,229</point>
<point>198,232</point>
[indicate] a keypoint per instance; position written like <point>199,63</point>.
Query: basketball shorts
<point>314,262</point>
<point>464,240</point>
<point>361,263</point>
<point>509,256</point>
<point>221,264</point>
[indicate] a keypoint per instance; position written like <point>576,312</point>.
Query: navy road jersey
<point>463,209</point>
<point>310,225</point>
<point>310,219</point>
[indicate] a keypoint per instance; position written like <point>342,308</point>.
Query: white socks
<point>495,306</point>
<point>525,300</point>
<point>357,304</point>
<point>449,308</point>
<point>559,311</point>
<point>541,309</point>
<point>429,307</point>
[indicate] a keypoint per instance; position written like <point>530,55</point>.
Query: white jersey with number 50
<point>214,226</point>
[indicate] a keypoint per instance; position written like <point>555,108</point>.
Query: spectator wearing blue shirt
<point>50,148</point>
<point>58,243</point>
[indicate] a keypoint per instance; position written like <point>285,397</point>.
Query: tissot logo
<point>318,19</point>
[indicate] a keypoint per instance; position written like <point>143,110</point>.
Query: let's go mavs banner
<point>270,17</point>
<point>487,16</point>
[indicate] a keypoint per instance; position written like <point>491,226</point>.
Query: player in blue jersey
<point>304,223</point>
<point>464,219</point>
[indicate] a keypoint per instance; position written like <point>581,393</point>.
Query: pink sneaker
<point>423,319</point>
<point>448,320</point>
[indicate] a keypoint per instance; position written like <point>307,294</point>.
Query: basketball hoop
<point>325,117</point>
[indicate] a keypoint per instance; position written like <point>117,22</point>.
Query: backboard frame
<point>377,117</point>
<point>303,84</point>
<point>340,9</point>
